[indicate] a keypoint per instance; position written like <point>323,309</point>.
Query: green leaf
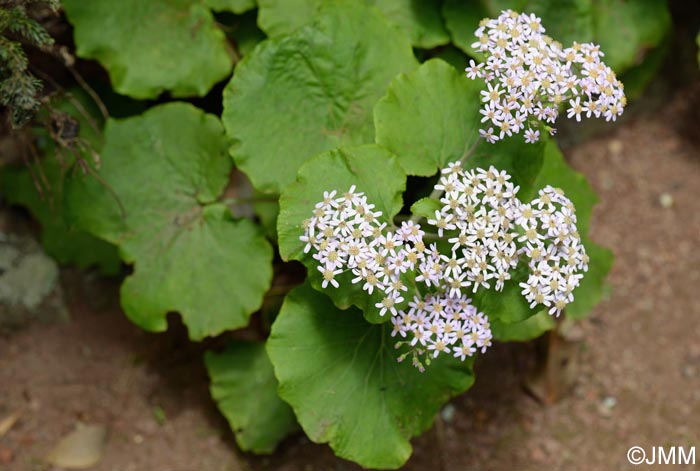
<point>282,17</point>
<point>246,34</point>
<point>522,161</point>
<point>508,306</point>
<point>151,46</point>
<point>522,331</point>
<point>627,31</point>
<point>236,6</point>
<point>341,377</point>
<point>419,20</point>
<point>39,188</point>
<point>312,91</point>
<point>429,117</point>
<point>624,29</point>
<point>462,19</point>
<point>453,56</point>
<point>556,172</point>
<point>638,77</point>
<point>565,20</point>
<point>426,207</point>
<point>375,171</point>
<point>593,288</point>
<point>167,168</point>
<point>67,245</point>
<point>267,211</point>
<point>244,387</point>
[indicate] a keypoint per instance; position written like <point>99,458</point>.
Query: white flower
<point>329,275</point>
<point>554,249</point>
<point>488,135</point>
<point>531,136</point>
<point>478,217</point>
<point>441,324</point>
<point>528,75</point>
<point>474,70</point>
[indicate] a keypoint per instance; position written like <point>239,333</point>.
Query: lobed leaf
<point>149,47</point>
<point>244,387</point>
<point>341,377</point>
<point>311,91</point>
<point>420,20</point>
<point>429,117</point>
<point>525,330</point>
<point>166,169</point>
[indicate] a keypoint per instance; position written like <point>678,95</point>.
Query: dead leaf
<point>8,422</point>
<point>80,449</point>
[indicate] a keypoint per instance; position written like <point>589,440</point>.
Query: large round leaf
<point>166,169</point>
<point>429,117</point>
<point>374,171</point>
<point>420,20</point>
<point>151,46</point>
<point>341,377</point>
<point>299,95</point>
<point>245,390</point>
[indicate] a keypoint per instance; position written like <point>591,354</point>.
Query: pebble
<point>606,406</point>
<point>615,146</point>
<point>448,413</point>
<point>688,371</point>
<point>609,402</point>
<point>666,200</point>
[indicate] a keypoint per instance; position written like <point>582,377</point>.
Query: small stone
<point>609,402</point>
<point>688,371</point>
<point>615,146</point>
<point>82,448</point>
<point>666,200</point>
<point>138,439</point>
<point>448,413</point>
<point>606,406</point>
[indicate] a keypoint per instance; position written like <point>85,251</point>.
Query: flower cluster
<point>441,324</point>
<point>553,248</point>
<point>485,230</point>
<point>529,75</point>
<point>346,234</point>
<point>477,216</point>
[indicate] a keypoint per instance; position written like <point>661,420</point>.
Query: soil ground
<point>637,382</point>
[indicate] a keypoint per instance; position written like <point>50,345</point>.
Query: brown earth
<point>637,383</point>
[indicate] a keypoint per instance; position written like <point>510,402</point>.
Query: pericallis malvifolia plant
<point>485,230</point>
